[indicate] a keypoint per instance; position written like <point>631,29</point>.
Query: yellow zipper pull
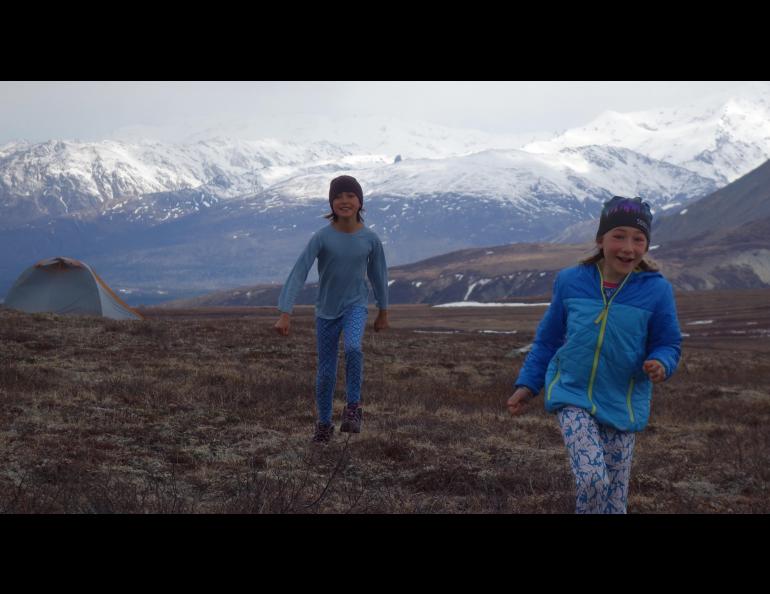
<point>601,316</point>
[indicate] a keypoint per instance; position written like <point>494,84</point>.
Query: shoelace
<point>350,413</point>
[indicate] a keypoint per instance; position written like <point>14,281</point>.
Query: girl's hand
<point>654,370</point>
<point>381,323</point>
<point>282,325</point>
<point>517,403</point>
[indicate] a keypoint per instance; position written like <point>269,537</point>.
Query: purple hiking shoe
<point>351,419</point>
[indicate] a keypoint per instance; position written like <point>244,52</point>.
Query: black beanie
<point>625,212</point>
<point>345,183</point>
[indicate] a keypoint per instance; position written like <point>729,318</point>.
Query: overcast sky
<point>39,111</point>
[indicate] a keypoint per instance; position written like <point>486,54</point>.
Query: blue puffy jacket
<point>588,351</point>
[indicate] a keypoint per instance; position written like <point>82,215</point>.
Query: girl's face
<point>624,248</point>
<point>346,205</point>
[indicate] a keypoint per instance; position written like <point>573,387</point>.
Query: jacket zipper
<point>602,317</point>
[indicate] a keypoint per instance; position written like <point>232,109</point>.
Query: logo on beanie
<point>626,205</point>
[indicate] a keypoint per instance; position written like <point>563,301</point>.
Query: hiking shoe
<point>323,432</point>
<point>351,419</point>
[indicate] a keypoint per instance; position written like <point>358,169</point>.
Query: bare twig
<point>333,474</point>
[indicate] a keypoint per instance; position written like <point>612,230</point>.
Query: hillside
<point>481,274</point>
<point>735,259</point>
<point>745,200</point>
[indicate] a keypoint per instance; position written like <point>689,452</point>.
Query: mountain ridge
<point>218,211</point>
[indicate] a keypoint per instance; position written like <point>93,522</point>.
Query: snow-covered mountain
<point>723,136</point>
<point>132,178</point>
<point>585,174</point>
<point>60,178</point>
<point>154,182</point>
<point>227,210</point>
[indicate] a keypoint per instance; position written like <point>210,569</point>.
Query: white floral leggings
<point>600,458</point>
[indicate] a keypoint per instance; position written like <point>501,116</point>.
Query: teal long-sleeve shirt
<point>344,262</point>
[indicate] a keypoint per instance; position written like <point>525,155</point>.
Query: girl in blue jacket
<point>610,333</point>
<point>347,253</point>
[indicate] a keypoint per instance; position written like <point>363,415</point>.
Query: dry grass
<point>185,413</point>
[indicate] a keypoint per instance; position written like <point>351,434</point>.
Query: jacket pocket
<point>628,400</point>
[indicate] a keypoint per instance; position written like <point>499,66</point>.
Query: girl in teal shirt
<point>347,253</point>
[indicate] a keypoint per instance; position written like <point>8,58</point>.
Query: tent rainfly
<point>66,286</point>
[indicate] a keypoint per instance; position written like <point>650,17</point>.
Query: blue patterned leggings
<point>600,457</point>
<point>351,324</point>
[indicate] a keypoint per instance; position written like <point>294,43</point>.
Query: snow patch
<point>481,282</point>
<point>479,304</point>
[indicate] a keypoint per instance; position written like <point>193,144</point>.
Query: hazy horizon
<point>92,111</point>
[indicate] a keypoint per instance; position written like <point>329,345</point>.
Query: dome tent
<point>66,286</point>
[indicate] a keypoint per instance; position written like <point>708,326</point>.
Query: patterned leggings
<point>600,457</point>
<point>351,324</point>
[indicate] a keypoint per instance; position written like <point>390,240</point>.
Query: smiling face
<point>346,205</point>
<point>624,248</point>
